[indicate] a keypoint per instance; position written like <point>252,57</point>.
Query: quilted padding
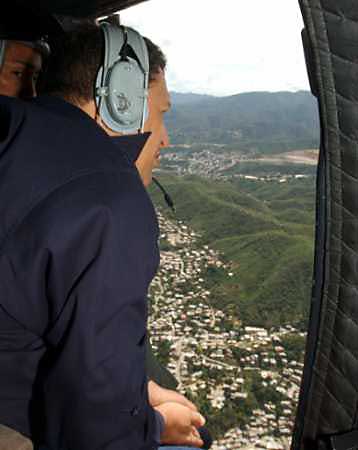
<point>329,391</point>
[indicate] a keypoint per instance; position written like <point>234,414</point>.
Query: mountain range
<point>256,121</point>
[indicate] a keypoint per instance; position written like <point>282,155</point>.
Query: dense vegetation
<point>266,230</point>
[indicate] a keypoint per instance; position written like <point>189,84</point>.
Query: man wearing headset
<point>78,253</point>
<point>21,66</point>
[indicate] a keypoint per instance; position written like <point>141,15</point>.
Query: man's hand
<point>181,425</point>
<point>159,395</point>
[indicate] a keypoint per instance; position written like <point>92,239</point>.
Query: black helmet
<point>28,26</point>
<point>41,45</point>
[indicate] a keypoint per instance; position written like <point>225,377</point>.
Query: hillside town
<point>245,375</point>
<point>215,161</point>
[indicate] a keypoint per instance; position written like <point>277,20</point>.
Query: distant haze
<point>237,46</point>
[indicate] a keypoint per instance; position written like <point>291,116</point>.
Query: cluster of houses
<point>212,354</point>
<point>218,163</point>
<point>206,162</point>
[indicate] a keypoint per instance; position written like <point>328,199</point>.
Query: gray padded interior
<point>329,393</point>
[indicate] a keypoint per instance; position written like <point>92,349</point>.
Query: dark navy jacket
<point>78,249</point>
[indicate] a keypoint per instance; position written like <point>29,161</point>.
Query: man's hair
<point>72,68</point>
<point>157,59</point>
<point>75,60</point>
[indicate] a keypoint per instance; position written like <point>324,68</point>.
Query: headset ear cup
<point>125,93</point>
<point>122,81</point>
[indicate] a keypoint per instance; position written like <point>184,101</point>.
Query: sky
<point>238,46</point>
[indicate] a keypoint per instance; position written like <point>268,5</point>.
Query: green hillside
<point>266,230</point>
<point>218,209</point>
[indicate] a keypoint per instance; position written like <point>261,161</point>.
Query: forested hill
<point>257,121</point>
<point>265,230</point>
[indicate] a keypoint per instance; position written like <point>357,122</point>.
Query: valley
<point>230,304</point>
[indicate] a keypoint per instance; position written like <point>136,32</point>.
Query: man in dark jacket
<point>78,251</point>
<point>24,51</point>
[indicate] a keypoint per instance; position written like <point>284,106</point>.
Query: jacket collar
<point>131,145</point>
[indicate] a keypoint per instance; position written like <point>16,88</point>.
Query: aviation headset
<point>122,84</point>
<point>122,81</point>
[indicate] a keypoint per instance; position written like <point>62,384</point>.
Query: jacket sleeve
<point>156,371</point>
<point>91,253</point>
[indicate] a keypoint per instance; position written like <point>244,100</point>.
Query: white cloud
<point>237,46</point>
